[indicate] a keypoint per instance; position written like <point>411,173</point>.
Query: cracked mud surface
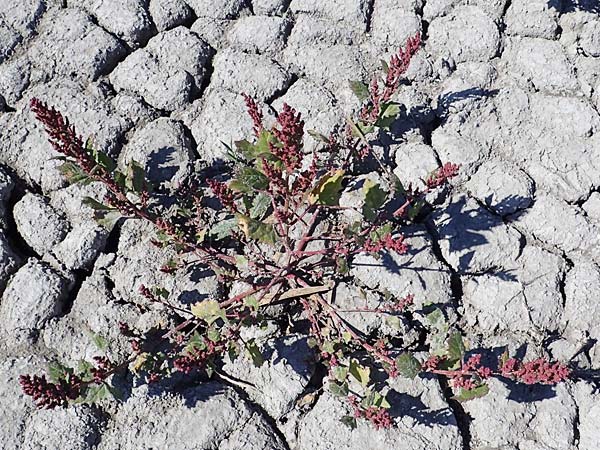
<point>510,90</point>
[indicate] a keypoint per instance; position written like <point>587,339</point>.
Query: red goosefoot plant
<point>281,232</point>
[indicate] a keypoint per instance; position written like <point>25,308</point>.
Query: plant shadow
<point>160,167</point>
<point>463,226</point>
<point>566,6</point>
<point>408,405</point>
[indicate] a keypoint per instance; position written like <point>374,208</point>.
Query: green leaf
<point>201,235</point>
<point>399,188</point>
<point>311,342</point>
<point>223,229</point>
<point>249,180</point>
<point>318,136</point>
<point>245,147</point>
<point>238,186</point>
<point>342,266</point>
<point>360,89</point>
<point>456,347</point>
<point>120,179</point>
<point>435,319</point>
<point>213,334</point>
<point>503,357</point>
<point>379,233</point>
<point>361,373</point>
<point>208,310</point>
<point>195,343</point>
<point>375,197</point>
<point>394,322</point>
<point>357,131</point>
<point>415,209</point>
<point>233,351</point>
<point>384,66</point>
<point>136,178</point>
<point>84,370</point>
<point>58,372</point>
<point>381,401</point>
<point>95,204</point>
<point>260,149</point>
<point>388,115</point>
<point>260,205</point>
<point>368,399</point>
<point>340,373</point>
<point>339,389</point>
<point>115,392</point>
<point>252,303</point>
<point>100,342</point>
<point>349,421</point>
<point>73,173</point>
<point>365,128</point>
<point>254,352</point>
<point>259,231</point>
<point>469,394</point>
<point>160,291</point>
<point>97,393</point>
<point>241,262</point>
<point>328,347</point>
<point>107,219</point>
<point>408,365</point>
<point>103,160</point>
<point>328,190</point>
<point>372,398</point>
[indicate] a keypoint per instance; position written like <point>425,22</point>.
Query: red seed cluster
<point>290,136</point>
<point>386,243</point>
<point>223,193</point>
<point>379,417</point>
<point>255,114</point>
<point>537,371</point>
<point>50,395</point>
<point>442,175</point>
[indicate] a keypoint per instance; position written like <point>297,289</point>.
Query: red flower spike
<point>290,136</point>
<point>50,395</point>
<point>386,243</point>
<point>398,65</point>
<point>379,417</point>
<point>275,176</point>
<point>442,175</point>
<point>538,371</point>
<point>255,114</point>
<point>223,193</point>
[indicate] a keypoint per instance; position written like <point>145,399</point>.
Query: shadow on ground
<point>566,6</point>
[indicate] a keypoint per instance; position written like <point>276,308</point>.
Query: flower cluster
<point>386,243</point>
<point>398,65</point>
<point>379,417</point>
<point>255,114</point>
<point>471,373</point>
<point>61,133</point>
<point>223,193</point>
<point>442,175</point>
<point>536,371</point>
<point>289,136</point>
<point>402,304</point>
<point>104,368</point>
<point>50,395</point>
<point>197,357</point>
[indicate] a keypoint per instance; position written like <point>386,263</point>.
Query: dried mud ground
<point>508,89</point>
